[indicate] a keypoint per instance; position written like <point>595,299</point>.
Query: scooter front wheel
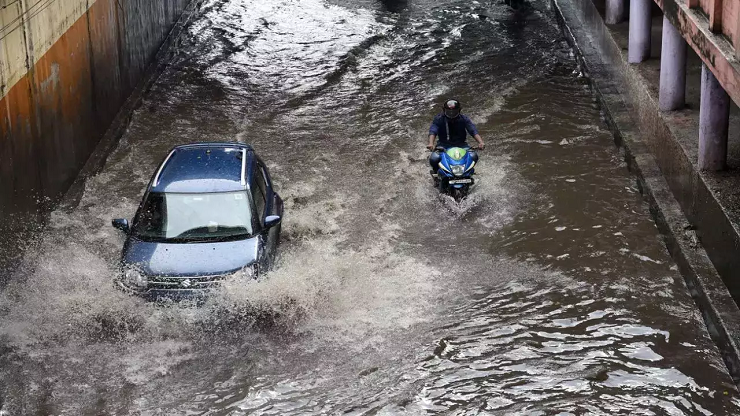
<point>458,194</point>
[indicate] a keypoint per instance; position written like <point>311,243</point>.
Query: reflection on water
<point>547,291</point>
<point>394,6</point>
<point>573,350</point>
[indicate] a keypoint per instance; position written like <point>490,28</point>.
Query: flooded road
<point>548,291</point>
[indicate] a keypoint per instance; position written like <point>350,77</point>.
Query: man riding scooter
<point>452,129</point>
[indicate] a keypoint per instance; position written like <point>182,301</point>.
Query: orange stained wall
<point>52,118</point>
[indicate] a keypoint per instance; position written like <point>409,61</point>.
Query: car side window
<point>259,192</point>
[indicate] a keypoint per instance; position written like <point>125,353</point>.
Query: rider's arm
<point>433,132</point>
<point>479,139</point>
<point>470,127</point>
<point>432,139</point>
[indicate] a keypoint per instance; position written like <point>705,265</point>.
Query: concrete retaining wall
<point>71,73</point>
<point>67,67</point>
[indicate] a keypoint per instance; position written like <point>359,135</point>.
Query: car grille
<point>184,283</point>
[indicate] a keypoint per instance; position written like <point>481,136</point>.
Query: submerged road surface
<point>548,291</point>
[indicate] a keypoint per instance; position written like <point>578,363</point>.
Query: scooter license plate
<point>460,181</point>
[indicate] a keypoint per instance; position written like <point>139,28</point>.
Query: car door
<point>273,207</point>
<point>263,201</point>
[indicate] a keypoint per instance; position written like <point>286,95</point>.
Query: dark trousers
<point>434,159</point>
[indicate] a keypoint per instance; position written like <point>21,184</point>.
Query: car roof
<point>205,167</point>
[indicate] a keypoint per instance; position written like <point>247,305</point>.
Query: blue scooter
<point>455,171</point>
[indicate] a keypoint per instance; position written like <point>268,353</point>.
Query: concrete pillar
<point>714,122</point>
<point>672,68</point>
<point>640,26</point>
<point>615,11</point>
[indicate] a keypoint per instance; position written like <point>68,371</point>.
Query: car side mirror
<point>121,224</point>
<point>272,220</point>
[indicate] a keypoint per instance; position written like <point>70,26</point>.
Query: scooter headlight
<point>134,278</point>
<point>457,170</point>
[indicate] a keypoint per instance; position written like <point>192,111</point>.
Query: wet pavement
<point>548,291</point>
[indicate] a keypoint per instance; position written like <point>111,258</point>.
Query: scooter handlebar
<point>442,149</point>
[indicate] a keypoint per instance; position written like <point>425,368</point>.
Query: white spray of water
<point>494,199</point>
<point>65,291</point>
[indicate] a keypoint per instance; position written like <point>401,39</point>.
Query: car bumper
<point>159,294</point>
<point>166,295</point>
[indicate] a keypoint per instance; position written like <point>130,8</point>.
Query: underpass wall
<point>66,68</point>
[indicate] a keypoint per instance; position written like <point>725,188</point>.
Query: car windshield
<point>182,217</point>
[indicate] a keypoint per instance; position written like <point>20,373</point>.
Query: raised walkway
<point>697,211</point>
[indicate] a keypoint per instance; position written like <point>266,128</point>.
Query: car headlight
<point>249,272</point>
<point>134,278</point>
<point>457,170</point>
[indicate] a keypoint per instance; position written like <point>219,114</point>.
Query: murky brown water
<point>547,292</point>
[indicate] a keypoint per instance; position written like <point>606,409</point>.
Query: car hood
<point>192,259</point>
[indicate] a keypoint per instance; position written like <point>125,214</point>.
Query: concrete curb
<point>720,313</point>
<point>95,163</point>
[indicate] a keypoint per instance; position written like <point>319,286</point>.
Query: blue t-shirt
<point>458,127</point>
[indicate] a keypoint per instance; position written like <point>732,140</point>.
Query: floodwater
<point>548,291</point>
